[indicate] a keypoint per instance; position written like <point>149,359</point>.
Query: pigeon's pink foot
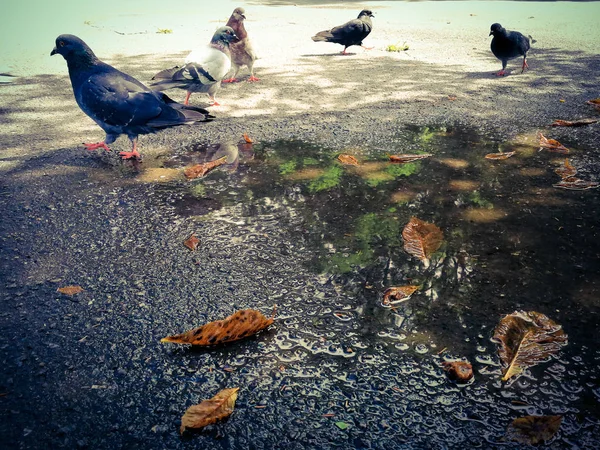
<point>215,103</point>
<point>230,80</point>
<point>501,73</point>
<point>252,79</point>
<point>130,155</point>
<point>186,102</point>
<point>367,48</point>
<point>96,146</point>
<point>525,66</point>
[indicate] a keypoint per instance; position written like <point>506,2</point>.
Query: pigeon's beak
<point>53,52</point>
<point>491,32</point>
<point>243,16</point>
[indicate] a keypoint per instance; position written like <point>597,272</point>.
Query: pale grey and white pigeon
<point>117,102</point>
<point>203,70</point>
<point>351,33</point>
<point>508,45</point>
<point>242,52</point>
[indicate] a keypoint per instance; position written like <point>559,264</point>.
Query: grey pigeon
<point>117,102</point>
<point>203,69</point>
<point>242,52</point>
<point>351,33</point>
<point>508,45</point>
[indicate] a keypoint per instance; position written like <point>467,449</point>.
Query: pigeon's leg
<point>252,77</point>
<point>186,102</point>
<point>525,65</point>
<point>367,48</point>
<point>213,100</point>
<point>233,78</point>
<point>344,51</point>
<point>109,139</point>
<point>503,71</point>
<point>133,153</point>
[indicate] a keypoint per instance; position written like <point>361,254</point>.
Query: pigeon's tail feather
<point>322,36</point>
<point>167,74</point>
<point>174,114</point>
<point>170,78</point>
<point>531,39</point>
<point>190,112</point>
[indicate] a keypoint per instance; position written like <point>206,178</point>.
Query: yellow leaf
<point>70,290</point>
<point>210,411</point>
<point>499,156</point>
<point>199,170</point>
<point>348,159</point>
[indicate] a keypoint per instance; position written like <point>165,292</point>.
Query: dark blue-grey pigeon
<point>508,45</point>
<point>117,102</point>
<point>203,69</point>
<point>351,33</point>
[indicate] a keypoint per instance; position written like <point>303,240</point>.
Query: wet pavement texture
<point>284,223</point>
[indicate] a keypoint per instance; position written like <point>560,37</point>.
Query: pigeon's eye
<point>61,43</point>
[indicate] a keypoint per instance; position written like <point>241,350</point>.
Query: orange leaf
<point>402,159</point>
<point>70,290</point>
<point>192,242</point>
<point>458,370</point>
<point>247,138</point>
<point>199,170</point>
<point>348,159</point>
<point>566,171</point>
<point>421,239</point>
<point>210,411</point>
<point>498,156</point>
<point>397,294</point>
<point>239,325</point>
<point>575,184</point>
<point>574,123</point>
<point>552,144</point>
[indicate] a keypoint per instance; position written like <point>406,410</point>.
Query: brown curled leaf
<point>573,123</point>
<point>533,430</point>
<point>199,170</point>
<point>397,294</point>
<point>209,411</point>
<point>421,239</point>
<point>576,184</point>
<point>527,338</point>
<point>461,371</point>
<point>552,144</point>
<point>595,103</point>
<point>239,325</point>
<point>348,159</point>
<point>566,171</point>
<point>70,290</point>
<point>247,138</point>
<point>192,242</point>
<point>500,155</point>
<point>403,159</point>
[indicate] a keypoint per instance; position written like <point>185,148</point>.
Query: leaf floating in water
<point>192,242</point>
<point>566,171</point>
<point>403,159</point>
<point>341,425</point>
<point>499,156</point>
<point>210,411</point>
<point>397,294</point>
<point>461,371</point>
<point>576,184</point>
<point>348,159</point>
<point>199,170</point>
<point>533,430</point>
<point>70,290</point>
<point>595,103</point>
<point>552,144</point>
<point>527,338</point>
<point>247,138</point>
<point>574,123</point>
<point>239,325</point>
<point>421,239</point>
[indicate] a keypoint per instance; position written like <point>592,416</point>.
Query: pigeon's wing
<point>207,66</point>
<point>349,31</point>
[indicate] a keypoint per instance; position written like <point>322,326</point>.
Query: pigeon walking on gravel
<point>203,70</point>
<point>351,33</point>
<point>508,45</point>
<point>117,102</point>
<point>242,53</point>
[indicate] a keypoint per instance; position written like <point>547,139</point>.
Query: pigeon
<point>351,33</point>
<point>242,53</point>
<point>508,45</point>
<point>203,69</point>
<point>117,102</point>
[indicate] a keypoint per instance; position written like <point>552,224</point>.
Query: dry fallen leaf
<point>574,123</point>
<point>595,103</point>
<point>552,144</point>
<point>209,411</point>
<point>527,338</point>
<point>533,430</point>
<point>348,159</point>
<point>566,171</point>
<point>199,170</point>
<point>421,239</point>
<point>247,138</point>
<point>499,156</point>
<point>397,294</point>
<point>192,242</point>
<point>402,159</point>
<point>70,290</point>
<point>576,184</point>
<point>461,371</point>
<point>239,325</point>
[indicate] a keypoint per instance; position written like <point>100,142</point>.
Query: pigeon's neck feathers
<point>238,27</point>
<point>81,62</point>
<point>220,45</point>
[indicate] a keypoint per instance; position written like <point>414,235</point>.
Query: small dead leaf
<point>566,171</point>
<point>247,138</point>
<point>574,123</point>
<point>70,290</point>
<point>199,170</point>
<point>527,338</point>
<point>348,159</point>
<point>533,430</point>
<point>192,242</point>
<point>461,371</point>
<point>209,411</point>
<point>452,98</point>
<point>397,294</point>
<point>239,325</point>
<point>552,144</point>
<point>499,156</point>
<point>595,103</point>
<point>421,239</point>
<point>576,184</point>
<point>403,159</point>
